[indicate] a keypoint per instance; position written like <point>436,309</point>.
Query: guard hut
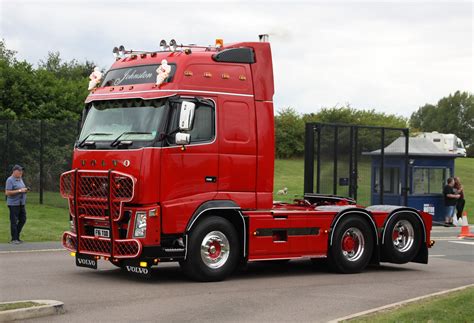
<point>428,169</point>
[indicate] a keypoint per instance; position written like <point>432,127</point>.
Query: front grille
<point>99,195</point>
<point>95,199</point>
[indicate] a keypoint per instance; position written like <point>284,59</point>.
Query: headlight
<point>140,224</point>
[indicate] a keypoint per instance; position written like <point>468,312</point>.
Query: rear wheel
<point>352,246</point>
<point>213,250</point>
<point>402,239</point>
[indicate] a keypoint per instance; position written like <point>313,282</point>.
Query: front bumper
<point>98,246</point>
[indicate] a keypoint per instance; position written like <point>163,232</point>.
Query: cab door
<point>189,173</point>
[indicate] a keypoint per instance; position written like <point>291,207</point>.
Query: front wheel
<point>352,246</point>
<point>213,250</point>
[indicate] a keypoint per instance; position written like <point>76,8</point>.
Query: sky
<point>389,56</point>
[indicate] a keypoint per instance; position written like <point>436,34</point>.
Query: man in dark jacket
<point>450,200</point>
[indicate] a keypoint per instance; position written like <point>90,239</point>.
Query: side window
<point>204,125</point>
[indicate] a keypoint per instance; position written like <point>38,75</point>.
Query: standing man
<point>15,190</point>
<point>450,200</point>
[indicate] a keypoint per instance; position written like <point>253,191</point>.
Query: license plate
<point>87,261</point>
<point>104,233</point>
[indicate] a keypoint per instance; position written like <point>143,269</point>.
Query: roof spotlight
<point>115,51</point>
<point>163,45</point>
<point>173,45</point>
<point>121,51</point>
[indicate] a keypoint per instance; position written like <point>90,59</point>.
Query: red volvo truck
<point>175,162</point>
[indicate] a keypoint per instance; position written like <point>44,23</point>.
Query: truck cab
<point>175,162</point>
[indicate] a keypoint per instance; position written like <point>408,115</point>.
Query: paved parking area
<point>264,292</point>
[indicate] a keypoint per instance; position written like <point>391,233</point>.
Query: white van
<point>448,142</point>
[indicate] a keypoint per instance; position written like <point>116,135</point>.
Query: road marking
<point>394,305</point>
<point>464,242</point>
<point>26,251</point>
<point>443,238</point>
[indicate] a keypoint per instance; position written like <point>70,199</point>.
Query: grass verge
<point>17,305</point>
<point>451,307</point>
<point>43,222</point>
<point>47,222</point>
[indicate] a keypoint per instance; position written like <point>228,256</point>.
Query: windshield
<point>459,143</point>
<point>134,120</point>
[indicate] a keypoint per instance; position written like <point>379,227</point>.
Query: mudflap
<point>137,268</point>
<point>88,261</point>
<point>422,256</point>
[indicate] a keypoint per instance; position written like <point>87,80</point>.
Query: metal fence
<point>44,148</point>
<point>348,160</point>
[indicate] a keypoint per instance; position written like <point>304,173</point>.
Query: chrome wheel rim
<point>403,235</point>
<point>215,249</point>
<point>352,244</point>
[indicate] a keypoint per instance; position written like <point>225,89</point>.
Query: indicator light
<point>143,264</point>
<point>219,42</point>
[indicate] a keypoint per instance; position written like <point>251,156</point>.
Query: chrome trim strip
<point>89,98</point>
<point>289,258</point>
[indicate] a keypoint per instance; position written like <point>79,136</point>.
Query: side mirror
<point>182,138</point>
<point>186,115</point>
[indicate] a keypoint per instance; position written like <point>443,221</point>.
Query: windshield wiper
<point>81,144</point>
<point>117,140</point>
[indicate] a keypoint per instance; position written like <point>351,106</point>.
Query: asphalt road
<point>294,292</point>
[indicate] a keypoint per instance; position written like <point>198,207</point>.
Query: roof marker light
<point>121,51</point>
<point>115,51</point>
<point>173,45</point>
<point>163,45</point>
<point>219,43</point>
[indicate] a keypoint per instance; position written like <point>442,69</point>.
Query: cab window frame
<point>174,117</point>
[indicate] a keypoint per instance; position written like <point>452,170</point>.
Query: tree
<point>452,114</point>
<point>289,134</point>
<point>55,90</point>
<point>290,129</point>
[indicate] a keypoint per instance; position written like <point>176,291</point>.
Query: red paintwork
<point>241,157</point>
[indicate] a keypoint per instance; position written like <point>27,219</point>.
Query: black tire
<point>195,267</point>
<point>397,248</point>
<point>351,232</point>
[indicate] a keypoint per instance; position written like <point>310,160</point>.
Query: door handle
<point>210,179</point>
